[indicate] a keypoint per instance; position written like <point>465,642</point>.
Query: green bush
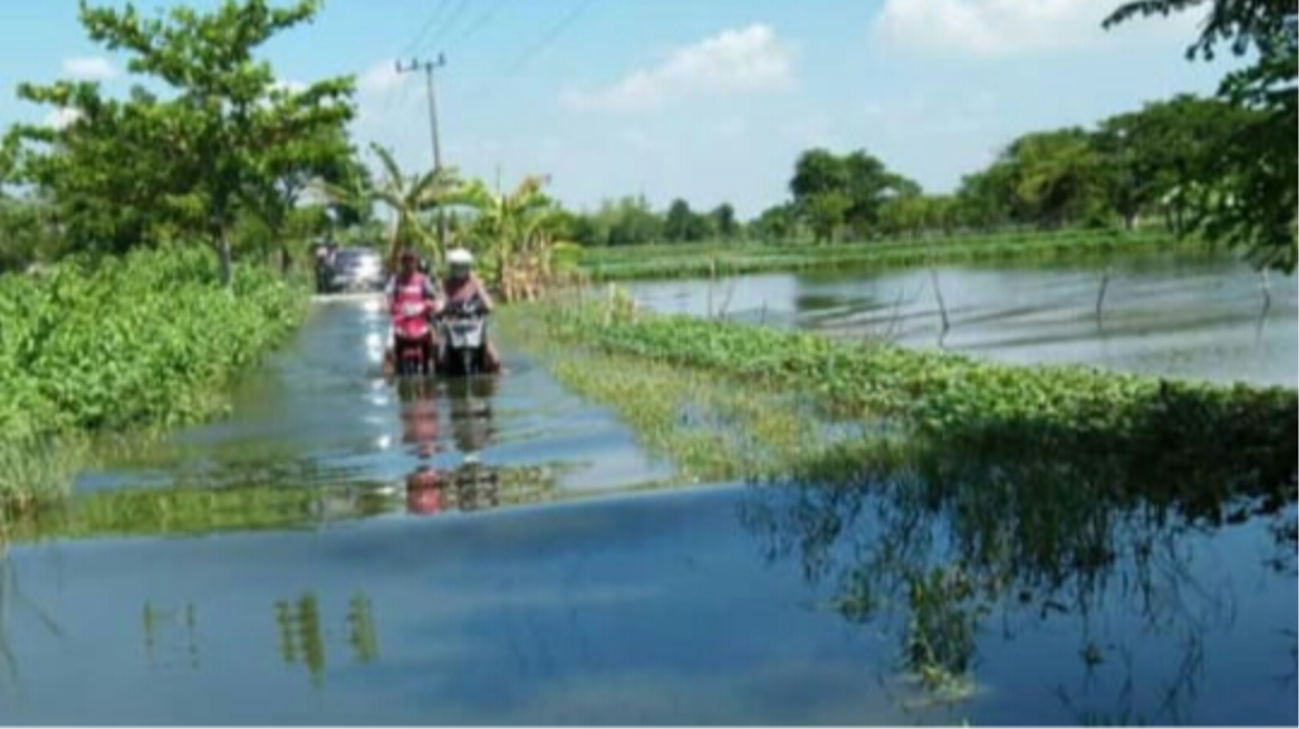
<point>147,340</point>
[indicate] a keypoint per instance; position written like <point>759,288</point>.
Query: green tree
<point>224,139</point>
<point>1251,204</point>
<point>776,223</point>
<point>408,199</point>
<point>678,224</point>
<point>1056,177</point>
<point>723,218</point>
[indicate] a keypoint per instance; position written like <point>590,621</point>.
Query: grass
<point>715,258</point>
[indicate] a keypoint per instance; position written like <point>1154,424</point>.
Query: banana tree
<point>408,198</point>
<point>515,233</point>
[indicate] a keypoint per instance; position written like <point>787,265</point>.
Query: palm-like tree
<point>408,198</point>
<point>515,233</point>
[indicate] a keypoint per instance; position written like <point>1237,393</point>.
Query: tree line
<point>1141,167</point>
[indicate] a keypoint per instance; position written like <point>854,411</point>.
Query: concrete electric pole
<point>428,67</point>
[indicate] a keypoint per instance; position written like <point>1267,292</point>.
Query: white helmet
<point>460,257</point>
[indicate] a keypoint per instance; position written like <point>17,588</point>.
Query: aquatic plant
<point>149,340</point>
<point>956,397</point>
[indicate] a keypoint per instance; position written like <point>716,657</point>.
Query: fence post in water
<point>1100,296</point>
<point>942,306</point>
<point>1266,288</point>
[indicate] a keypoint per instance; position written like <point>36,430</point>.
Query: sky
<point>708,100</point>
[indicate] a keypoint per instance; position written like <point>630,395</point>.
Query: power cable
<point>550,37</point>
<point>450,23</point>
<point>482,20</point>
<point>423,31</point>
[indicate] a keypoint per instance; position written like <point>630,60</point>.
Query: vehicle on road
<point>462,330</point>
<point>414,338</point>
<point>356,269</point>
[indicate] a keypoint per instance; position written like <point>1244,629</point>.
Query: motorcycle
<point>462,332</point>
<point>414,345</point>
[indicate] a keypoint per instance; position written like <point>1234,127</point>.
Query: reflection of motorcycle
<point>470,402</point>
<point>463,336</point>
<point>471,487</point>
<point>414,345</point>
<point>424,489</point>
<point>419,416</point>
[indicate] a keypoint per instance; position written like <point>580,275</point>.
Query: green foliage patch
<point>142,341</point>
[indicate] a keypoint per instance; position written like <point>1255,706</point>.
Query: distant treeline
<point>1142,167</point>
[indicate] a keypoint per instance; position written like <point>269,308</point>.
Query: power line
<point>482,21</point>
<point>550,37</point>
<point>450,22</point>
<point>428,24</point>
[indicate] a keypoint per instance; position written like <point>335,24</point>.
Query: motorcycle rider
<point>461,286</point>
<point>408,285</point>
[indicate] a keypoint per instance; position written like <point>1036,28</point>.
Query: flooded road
<point>416,561</point>
<point>320,412</point>
<point>1181,315</point>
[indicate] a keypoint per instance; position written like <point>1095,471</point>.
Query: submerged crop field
<point>958,488</point>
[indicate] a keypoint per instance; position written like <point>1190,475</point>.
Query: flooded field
<point>342,551</point>
<point>1194,316</point>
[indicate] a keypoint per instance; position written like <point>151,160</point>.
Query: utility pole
<point>428,67</point>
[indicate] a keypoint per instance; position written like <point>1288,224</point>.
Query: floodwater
<point>341,551</point>
<point>1181,315</point>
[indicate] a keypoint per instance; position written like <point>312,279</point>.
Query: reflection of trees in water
<point>11,594</point>
<point>302,637</point>
<point>935,541</point>
<point>176,626</point>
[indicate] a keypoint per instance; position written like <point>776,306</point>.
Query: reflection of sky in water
<point>1190,316</point>
<point>655,609</point>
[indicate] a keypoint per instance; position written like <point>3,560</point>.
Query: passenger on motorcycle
<point>459,288</point>
<point>408,285</point>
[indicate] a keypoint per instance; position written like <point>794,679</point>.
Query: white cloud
<point>93,68</point>
<point>293,87</point>
<point>745,59</point>
<point>380,78</point>
<point>998,28</point>
<point>61,117</point>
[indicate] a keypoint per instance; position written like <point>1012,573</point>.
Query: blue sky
<point>711,101</point>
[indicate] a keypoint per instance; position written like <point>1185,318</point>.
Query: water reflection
<point>1143,570</point>
<point>302,639</point>
<point>176,629</point>
<point>470,484</point>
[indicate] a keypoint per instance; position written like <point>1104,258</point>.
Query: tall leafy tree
<point>220,143</point>
<point>1251,199</point>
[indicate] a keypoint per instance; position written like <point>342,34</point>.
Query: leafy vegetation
<point>957,397</point>
<point>1249,192</point>
<point>145,340</point>
<point>146,169</point>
